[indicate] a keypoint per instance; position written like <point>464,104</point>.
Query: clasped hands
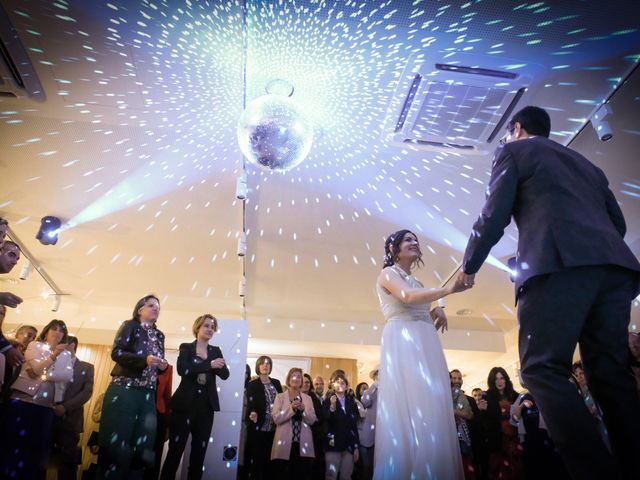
<point>159,362</point>
<point>218,363</point>
<point>296,404</point>
<point>464,281</point>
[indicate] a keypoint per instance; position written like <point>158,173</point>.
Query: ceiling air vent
<point>459,103</point>
<point>18,77</point>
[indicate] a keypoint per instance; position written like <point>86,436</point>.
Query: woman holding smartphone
<point>293,414</point>
<point>27,423</point>
<point>196,399</point>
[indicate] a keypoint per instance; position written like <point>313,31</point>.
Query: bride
<point>415,430</point>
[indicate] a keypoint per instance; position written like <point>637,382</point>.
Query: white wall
<point>281,365</point>
<point>232,340</point>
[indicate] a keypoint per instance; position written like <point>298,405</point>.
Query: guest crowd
<point>303,429</point>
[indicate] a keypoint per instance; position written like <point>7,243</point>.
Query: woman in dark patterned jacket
<point>128,424</point>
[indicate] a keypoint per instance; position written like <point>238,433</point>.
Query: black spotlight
<point>49,229</point>
<point>229,453</point>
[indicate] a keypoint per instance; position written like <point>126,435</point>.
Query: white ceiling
<point>136,141</point>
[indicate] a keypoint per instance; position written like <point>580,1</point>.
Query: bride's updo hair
<point>395,239</point>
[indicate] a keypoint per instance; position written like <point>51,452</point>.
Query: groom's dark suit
<point>575,281</point>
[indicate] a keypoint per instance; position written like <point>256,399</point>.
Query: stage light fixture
<point>242,245</point>
<point>242,287</point>
<point>56,303</point>
<point>241,187</point>
<point>49,230</point>
<point>26,270</point>
<point>230,453</point>
<point>600,125</point>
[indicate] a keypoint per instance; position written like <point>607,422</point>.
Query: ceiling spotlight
<point>49,230</point>
<point>56,303</point>
<point>600,125</point>
<point>242,245</point>
<point>241,187</point>
<point>26,270</point>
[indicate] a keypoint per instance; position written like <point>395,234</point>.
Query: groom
<point>576,279</point>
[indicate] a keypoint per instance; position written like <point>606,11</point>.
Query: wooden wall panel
<point>325,366</point>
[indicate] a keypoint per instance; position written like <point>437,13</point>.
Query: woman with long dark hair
<point>505,452</point>
<point>415,430</point>
<point>27,424</point>
<point>128,423</point>
<point>261,393</point>
<point>196,399</point>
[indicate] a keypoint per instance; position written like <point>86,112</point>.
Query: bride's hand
<point>439,319</point>
<point>462,282</point>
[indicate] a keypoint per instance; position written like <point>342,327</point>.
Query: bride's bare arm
<point>391,281</point>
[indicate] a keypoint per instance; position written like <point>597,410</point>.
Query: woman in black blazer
<point>195,400</point>
<point>261,428</point>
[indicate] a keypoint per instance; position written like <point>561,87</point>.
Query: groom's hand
<point>465,280</point>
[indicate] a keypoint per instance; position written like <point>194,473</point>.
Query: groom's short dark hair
<point>534,120</point>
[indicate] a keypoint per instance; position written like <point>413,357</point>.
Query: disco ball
<point>273,133</point>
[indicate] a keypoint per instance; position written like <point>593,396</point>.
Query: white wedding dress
<point>416,436</point>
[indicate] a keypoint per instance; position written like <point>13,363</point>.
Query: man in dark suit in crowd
<point>480,455</point>
<point>69,415</point>
<point>575,281</point>
<point>9,256</point>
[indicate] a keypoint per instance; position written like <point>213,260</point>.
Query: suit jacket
<point>256,401</point>
<point>282,413</point>
<point>78,392</point>
<point>5,344</point>
<point>562,205</point>
<point>367,426</point>
<point>475,429</point>
<point>317,429</point>
<point>189,367</point>
<point>341,425</point>
<point>130,349</point>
